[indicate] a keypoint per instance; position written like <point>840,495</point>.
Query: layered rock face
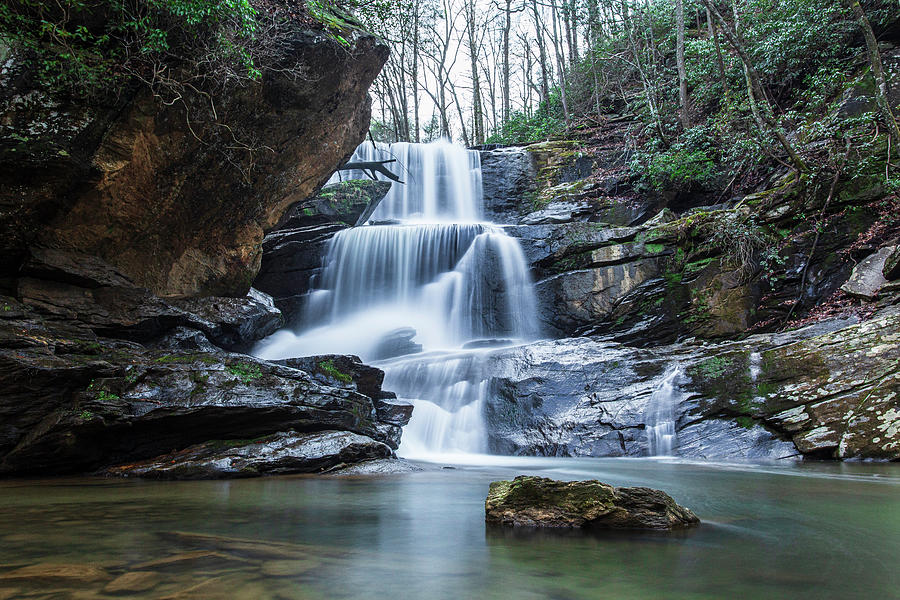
<point>825,391</point>
<point>646,275</point>
<point>96,375</point>
<point>611,259</point>
<point>129,243</point>
<point>139,185</point>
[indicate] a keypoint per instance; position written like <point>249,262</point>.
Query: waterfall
<point>420,291</point>
<point>660,413</point>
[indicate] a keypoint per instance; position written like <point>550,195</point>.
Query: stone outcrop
<point>294,251</point>
<point>540,502</point>
<point>825,391</point>
<point>129,244</point>
<point>75,401</point>
<point>126,180</point>
<point>867,278</point>
<point>276,454</point>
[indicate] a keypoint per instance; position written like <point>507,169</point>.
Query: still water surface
<point>769,531</point>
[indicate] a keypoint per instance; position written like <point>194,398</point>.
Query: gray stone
<point>396,343</point>
<point>281,453</point>
<point>508,178</point>
<point>558,212</point>
<point>891,270</point>
<point>868,277</point>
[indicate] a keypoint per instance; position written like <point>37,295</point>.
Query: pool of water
<point>804,530</point>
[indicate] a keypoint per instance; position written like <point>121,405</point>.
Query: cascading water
<point>425,274</point>
<point>660,417</point>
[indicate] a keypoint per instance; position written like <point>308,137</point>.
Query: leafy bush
<point>84,46</point>
<point>545,123</point>
<point>688,164</point>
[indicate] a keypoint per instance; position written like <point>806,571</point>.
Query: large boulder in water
<point>540,502</point>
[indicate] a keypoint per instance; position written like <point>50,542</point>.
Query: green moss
<point>714,367</point>
<point>85,415</point>
<point>246,372</point>
<point>745,422</point>
<point>327,367</point>
<point>693,268</point>
<point>654,248</point>
<point>673,278</point>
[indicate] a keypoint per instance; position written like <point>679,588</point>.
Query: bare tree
<point>684,101</point>
<point>881,85</point>
<point>755,91</point>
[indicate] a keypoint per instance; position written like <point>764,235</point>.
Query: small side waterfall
<point>660,419</point>
<point>413,290</point>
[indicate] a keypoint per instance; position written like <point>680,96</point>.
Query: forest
<point>720,91</point>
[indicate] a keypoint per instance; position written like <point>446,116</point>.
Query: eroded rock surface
<point>827,391</point>
<point>541,502</point>
<point>88,384</point>
<point>278,454</point>
<point>127,182</point>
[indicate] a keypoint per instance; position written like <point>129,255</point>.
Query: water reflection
<point>769,530</point>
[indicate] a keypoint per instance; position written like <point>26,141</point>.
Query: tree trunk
<point>560,64</point>
<point>684,101</point>
<point>720,61</point>
<point>539,27</point>
<point>755,89</point>
<point>506,27</point>
<point>648,92</point>
<point>881,85</point>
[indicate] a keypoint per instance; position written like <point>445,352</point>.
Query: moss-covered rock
<point>541,502</point>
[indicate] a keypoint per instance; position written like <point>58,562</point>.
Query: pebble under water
<point>798,530</point>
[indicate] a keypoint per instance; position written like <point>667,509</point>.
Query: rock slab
<point>529,501</point>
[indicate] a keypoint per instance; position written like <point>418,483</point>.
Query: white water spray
<point>428,270</point>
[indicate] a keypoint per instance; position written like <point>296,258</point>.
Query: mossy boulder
<point>350,202</point>
<point>541,502</point>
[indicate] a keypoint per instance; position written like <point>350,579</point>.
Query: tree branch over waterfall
<point>372,167</point>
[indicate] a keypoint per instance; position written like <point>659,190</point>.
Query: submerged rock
<point>530,501</point>
<point>396,343</point>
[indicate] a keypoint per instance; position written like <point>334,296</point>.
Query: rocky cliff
<point>783,334</point>
<point>130,238</point>
<point>164,199</point>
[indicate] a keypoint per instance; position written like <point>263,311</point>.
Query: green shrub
<point>85,46</point>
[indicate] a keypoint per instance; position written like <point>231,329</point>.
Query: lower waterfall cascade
<point>423,292</point>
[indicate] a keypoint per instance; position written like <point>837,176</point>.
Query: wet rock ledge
<point>540,502</point>
<point>97,373</point>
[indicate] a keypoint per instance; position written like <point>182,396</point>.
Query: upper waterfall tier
<point>442,181</point>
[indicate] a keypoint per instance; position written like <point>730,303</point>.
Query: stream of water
<point>425,293</point>
<point>795,530</point>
